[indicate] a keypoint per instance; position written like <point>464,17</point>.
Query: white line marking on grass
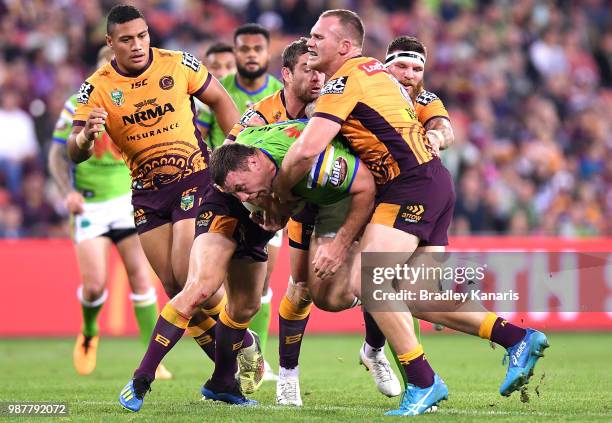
<point>441,410</point>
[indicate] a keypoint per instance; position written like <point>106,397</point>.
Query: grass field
<point>577,382</point>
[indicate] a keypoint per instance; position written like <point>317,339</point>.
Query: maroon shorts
<point>169,204</point>
<point>225,214</point>
<point>420,202</point>
<point>301,226</point>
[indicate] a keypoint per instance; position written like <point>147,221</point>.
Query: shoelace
<point>382,369</point>
<point>86,343</point>
<point>288,389</point>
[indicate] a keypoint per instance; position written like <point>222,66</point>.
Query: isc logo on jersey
<point>335,86</point>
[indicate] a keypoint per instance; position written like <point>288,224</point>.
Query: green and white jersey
<point>243,99</point>
<point>329,179</point>
<point>104,176</point>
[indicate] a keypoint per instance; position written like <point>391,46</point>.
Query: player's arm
<point>251,117</point>
<point>81,139</point>
<point>204,120</point>
<point>439,133</point>
<point>59,167</point>
<point>329,257</point>
<point>318,133</point>
<point>221,104</point>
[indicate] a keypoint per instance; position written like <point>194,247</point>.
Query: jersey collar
<point>247,92</point>
<point>136,74</point>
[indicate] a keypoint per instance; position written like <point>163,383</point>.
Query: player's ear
<point>345,46</point>
<point>109,40</point>
<point>286,74</point>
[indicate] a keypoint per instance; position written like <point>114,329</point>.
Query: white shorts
<point>100,217</point>
<point>277,239</point>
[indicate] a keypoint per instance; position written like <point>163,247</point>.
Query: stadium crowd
<point>527,84</point>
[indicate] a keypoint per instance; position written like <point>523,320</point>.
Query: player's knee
<point>299,294</point>
<point>334,302</point>
<point>244,311</point>
<point>327,303</point>
<point>93,290</point>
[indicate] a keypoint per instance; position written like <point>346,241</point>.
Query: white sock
<point>371,351</point>
<point>295,372</point>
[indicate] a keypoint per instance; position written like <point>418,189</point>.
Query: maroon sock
<point>228,342</point>
<point>419,372</point>
<point>290,337</point>
<point>506,334</point>
<point>164,337</point>
<point>206,341</point>
<point>373,335</point>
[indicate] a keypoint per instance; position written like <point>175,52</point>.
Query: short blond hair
<point>350,22</point>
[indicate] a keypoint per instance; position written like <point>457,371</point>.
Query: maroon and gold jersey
<point>429,106</point>
<point>151,115</point>
<point>377,118</point>
<point>271,109</point>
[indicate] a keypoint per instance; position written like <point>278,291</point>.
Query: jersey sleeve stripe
<point>329,117</point>
<point>350,184</point>
<point>204,86</point>
<point>66,115</point>
<point>327,160</point>
<point>434,117</point>
<point>60,140</point>
<point>78,123</point>
<point>314,173</point>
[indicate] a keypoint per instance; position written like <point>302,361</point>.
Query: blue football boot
<point>523,358</point>
<point>132,395</point>
<point>232,395</point>
<point>417,400</point>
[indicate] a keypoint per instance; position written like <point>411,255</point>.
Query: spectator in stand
<point>18,142</point>
<point>527,85</point>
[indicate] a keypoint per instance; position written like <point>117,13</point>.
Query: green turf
<point>577,384</point>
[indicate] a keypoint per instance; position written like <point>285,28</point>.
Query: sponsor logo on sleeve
<point>426,97</point>
<point>338,173</point>
<point>372,67</point>
<point>335,86</point>
<point>191,62</point>
<point>251,117</point>
<point>84,92</point>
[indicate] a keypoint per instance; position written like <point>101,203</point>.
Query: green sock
<point>146,312</point>
<point>417,333</point>
<point>261,324</point>
<point>90,310</point>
